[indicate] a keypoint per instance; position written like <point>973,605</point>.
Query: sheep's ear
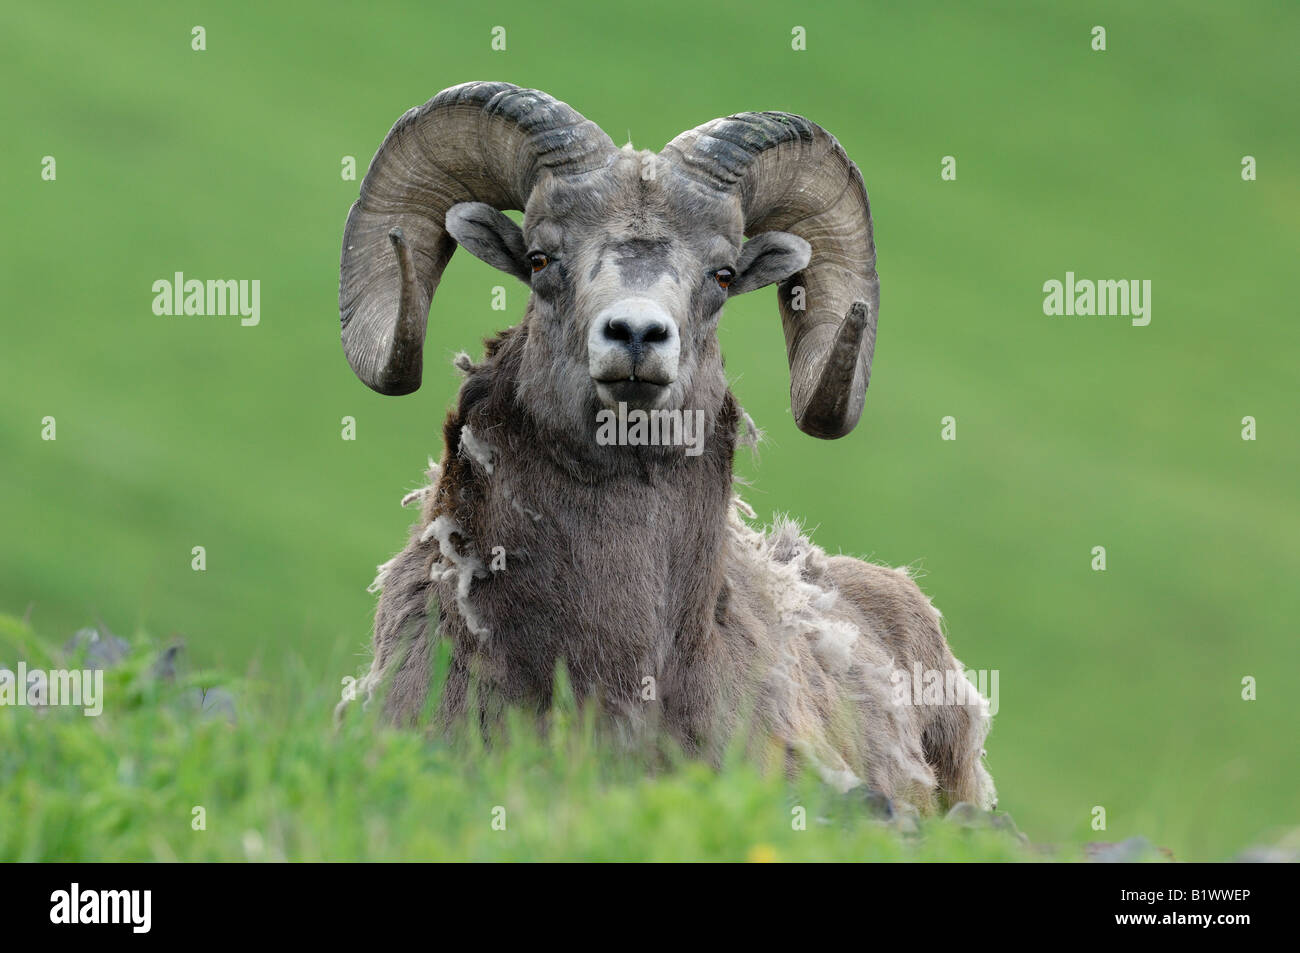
<point>768,258</point>
<point>487,234</point>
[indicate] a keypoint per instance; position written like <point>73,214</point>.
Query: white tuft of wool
<point>463,567</point>
<point>477,450</point>
<point>749,436</point>
<point>432,475</point>
<point>364,688</point>
<point>381,574</point>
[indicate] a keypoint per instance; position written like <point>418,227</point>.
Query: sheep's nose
<point>634,338</point>
<point>637,330</point>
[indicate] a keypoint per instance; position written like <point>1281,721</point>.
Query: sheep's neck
<point>619,577</point>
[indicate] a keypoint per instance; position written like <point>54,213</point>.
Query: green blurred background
<point>1119,688</point>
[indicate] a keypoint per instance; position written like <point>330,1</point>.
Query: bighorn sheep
<point>538,542</point>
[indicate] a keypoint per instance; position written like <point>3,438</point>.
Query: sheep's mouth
<point>633,391</point>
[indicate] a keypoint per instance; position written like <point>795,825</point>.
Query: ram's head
<point>630,255</point>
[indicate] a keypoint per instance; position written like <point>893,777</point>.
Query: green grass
<point>1118,689</point>
<point>282,784</point>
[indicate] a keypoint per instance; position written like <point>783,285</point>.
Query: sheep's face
<point>629,271</point>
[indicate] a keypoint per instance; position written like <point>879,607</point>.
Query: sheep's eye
<point>538,261</point>
<point>724,276</point>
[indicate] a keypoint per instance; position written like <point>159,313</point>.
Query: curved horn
<point>791,175</point>
<point>478,142</point>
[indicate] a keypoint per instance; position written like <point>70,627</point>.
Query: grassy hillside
<point>153,778</point>
<point>1119,689</point>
